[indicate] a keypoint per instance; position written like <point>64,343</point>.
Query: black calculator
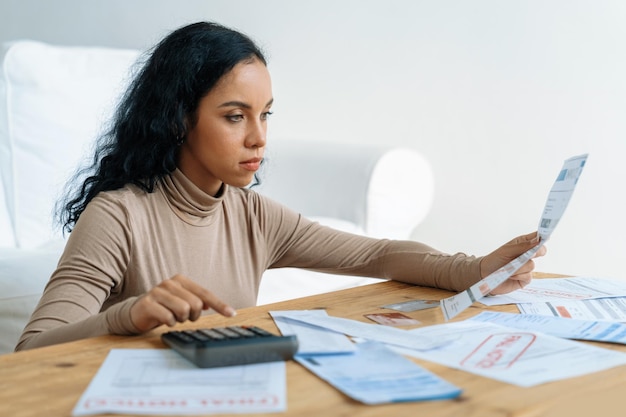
<point>231,345</point>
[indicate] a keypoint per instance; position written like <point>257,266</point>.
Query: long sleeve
<point>90,270</point>
<point>295,241</point>
<point>323,249</point>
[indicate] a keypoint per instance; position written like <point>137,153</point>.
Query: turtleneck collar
<point>189,202</point>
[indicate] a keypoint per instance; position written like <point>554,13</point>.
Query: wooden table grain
<point>49,381</point>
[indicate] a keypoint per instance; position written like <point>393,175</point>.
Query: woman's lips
<point>251,164</point>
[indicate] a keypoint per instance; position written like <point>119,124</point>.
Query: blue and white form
<point>560,194</point>
<point>557,201</point>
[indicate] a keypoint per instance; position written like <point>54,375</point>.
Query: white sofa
<point>53,102</point>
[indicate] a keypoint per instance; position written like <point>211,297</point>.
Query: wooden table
<point>49,381</point>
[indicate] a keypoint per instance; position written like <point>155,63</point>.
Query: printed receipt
<point>161,382</point>
<point>556,203</point>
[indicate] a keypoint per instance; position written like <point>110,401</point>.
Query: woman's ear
<point>180,132</point>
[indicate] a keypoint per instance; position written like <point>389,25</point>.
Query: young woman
<point>164,228</point>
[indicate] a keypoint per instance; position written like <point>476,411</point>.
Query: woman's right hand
<point>175,300</point>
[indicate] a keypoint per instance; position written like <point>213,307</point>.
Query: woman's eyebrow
<point>236,103</point>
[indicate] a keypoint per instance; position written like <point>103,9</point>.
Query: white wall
<point>495,93</point>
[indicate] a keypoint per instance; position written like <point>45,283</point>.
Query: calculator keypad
<point>231,345</point>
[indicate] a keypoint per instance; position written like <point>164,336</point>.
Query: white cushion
<point>6,228</point>
<point>400,195</point>
<point>56,101</point>
<point>23,276</point>
<point>7,239</point>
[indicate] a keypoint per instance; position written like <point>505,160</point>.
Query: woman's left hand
<point>505,254</point>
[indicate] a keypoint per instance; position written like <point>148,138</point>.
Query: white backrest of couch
<point>54,101</point>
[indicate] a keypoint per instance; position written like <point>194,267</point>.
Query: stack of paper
<point>520,356</point>
<point>369,372</point>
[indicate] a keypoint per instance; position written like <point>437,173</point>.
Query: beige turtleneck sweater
<point>127,241</point>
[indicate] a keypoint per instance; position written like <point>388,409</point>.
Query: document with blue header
<point>376,375</point>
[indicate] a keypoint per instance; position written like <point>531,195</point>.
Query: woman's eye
<point>265,115</point>
<point>235,117</point>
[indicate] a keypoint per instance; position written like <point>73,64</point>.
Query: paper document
<point>603,309</point>
<point>312,340</point>
<point>159,381</point>
<point>560,289</point>
<point>375,375</point>
<point>557,201</point>
<point>454,305</point>
<point>597,331</point>
<point>375,332</point>
<point>520,357</point>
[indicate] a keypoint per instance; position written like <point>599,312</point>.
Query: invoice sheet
<point>561,289</point>
<point>367,331</point>
<point>312,340</point>
<point>161,382</point>
<point>374,375</point>
<point>602,309</point>
<point>557,201</point>
<point>519,357</point>
<point>596,331</point>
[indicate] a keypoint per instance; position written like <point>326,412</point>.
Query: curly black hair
<point>160,105</point>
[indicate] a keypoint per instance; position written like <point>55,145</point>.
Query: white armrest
<point>384,190</point>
